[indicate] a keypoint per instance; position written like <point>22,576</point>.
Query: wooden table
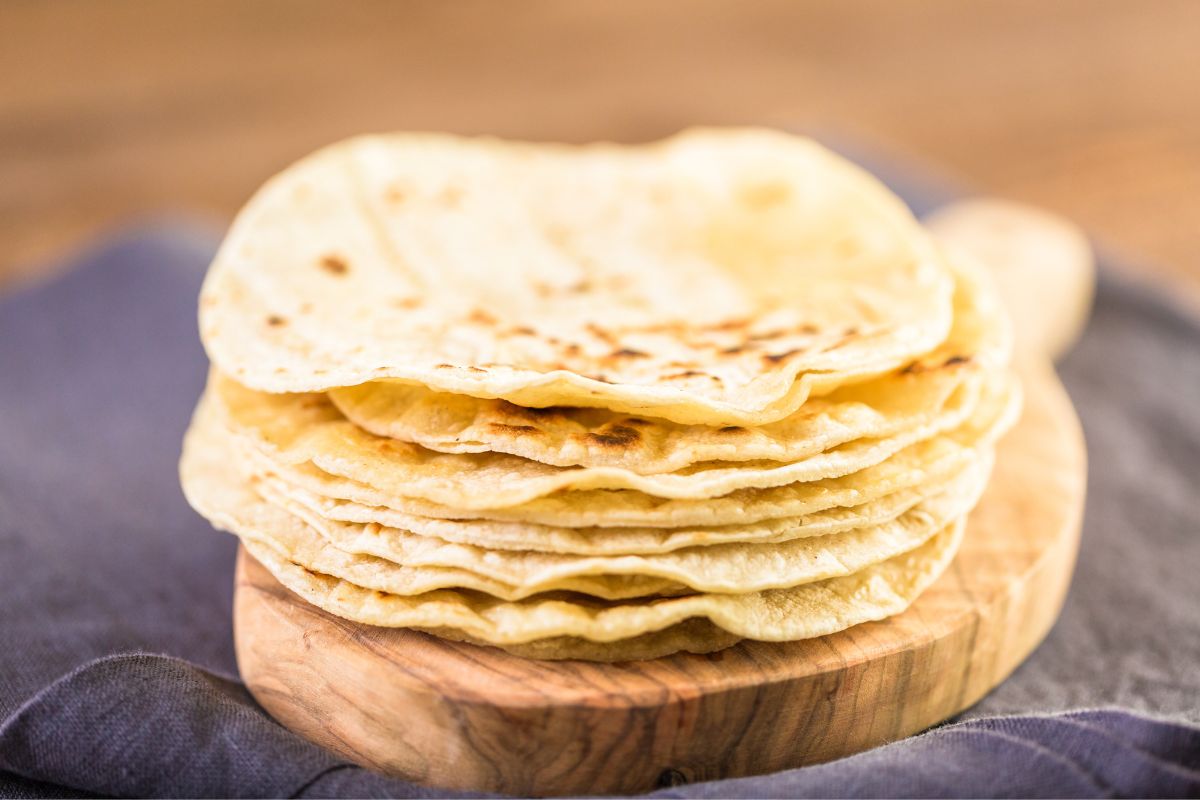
<point>121,109</point>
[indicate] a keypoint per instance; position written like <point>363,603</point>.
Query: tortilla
<point>910,398</point>
<point>296,428</point>
<point>715,278</point>
<point>809,610</point>
<point>928,460</point>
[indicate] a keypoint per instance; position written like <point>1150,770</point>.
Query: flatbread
<point>715,278</point>
<point>910,398</point>
<point>925,461</point>
<point>809,610</point>
<point>298,428</point>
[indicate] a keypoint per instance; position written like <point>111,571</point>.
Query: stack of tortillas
<point>604,402</point>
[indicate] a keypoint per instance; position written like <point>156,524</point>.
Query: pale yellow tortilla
<point>911,398</point>
<point>809,610</point>
<point>717,277</point>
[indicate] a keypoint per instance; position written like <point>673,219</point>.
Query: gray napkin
<point>117,674</point>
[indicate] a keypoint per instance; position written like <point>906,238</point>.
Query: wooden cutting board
<point>468,717</point>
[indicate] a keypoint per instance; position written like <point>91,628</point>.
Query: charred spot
<point>733,351</point>
<point>627,352</point>
<point>637,421</point>
<point>599,378</point>
<point>955,360</point>
<point>500,427</point>
<point>275,320</point>
<point>547,412</point>
<point>615,436</point>
<point>600,333</point>
<point>443,366</point>
<point>775,358</point>
<point>687,373</point>
<point>481,317</point>
<point>730,325</point>
<point>334,265</point>
<point>731,429</point>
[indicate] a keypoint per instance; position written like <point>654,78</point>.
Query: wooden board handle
<point>1042,264</point>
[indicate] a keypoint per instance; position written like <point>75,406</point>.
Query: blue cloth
<point>117,674</point>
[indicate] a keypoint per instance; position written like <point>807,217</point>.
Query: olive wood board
<point>475,718</point>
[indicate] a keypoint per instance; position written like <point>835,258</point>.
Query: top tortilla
<point>718,277</point>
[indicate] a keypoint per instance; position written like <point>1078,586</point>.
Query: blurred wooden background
<point>133,107</point>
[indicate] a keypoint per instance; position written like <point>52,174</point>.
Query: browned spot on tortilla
<point>598,378</point>
<point>501,427</point>
<point>690,373</point>
<point>614,436</point>
<point>406,302</point>
<point>543,289</point>
<point>547,412</point>
<point>573,349</point>
<point>451,196</point>
<point>334,265</point>
<point>306,308</point>
<point>637,421</point>
<point>775,358</point>
<point>730,325</point>
<point>628,352</point>
<point>476,369</point>
<point>732,351</point>
<point>766,335</point>
<point>523,330</point>
<point>953,360</point>
<point>808,327</point>
<point>481,317</point>
<point>581,286</point>
<point>731,429</point>
<point>280,370</point>
<point>275,321</point>
<point>443,366</point>
<point>395,194</point>
<point>600,333</point>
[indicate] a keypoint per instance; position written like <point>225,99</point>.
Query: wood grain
<point>470,717</point>
<point>130,108</point>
